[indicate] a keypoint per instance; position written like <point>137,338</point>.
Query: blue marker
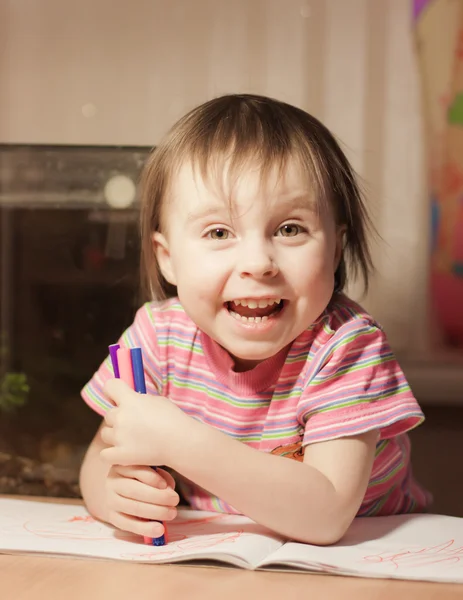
<point>140,387</point>
<point>138,371</point>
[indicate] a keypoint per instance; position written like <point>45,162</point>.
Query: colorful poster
<point>439,34</point>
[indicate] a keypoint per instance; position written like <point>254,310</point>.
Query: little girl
<point>270,393</point>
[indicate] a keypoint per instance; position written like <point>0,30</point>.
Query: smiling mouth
<point>255,311</point>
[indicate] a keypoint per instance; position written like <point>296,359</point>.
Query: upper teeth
<point>262,303</point>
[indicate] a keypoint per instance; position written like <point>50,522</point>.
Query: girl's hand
<point>137,497</point>
<point>140,429</point>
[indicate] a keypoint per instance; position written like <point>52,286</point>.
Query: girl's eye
<point>290,230</point>
<point>218,234</point>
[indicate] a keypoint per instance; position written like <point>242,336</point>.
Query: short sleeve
<point>142,334</point>
<point>357,386</point>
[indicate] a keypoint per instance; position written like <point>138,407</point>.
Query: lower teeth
<point>248,319</point>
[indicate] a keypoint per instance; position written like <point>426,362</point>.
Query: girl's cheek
<point>218,262</point>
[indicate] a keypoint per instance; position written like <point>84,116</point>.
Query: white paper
<point>422,547</point>
<point>29,527</point>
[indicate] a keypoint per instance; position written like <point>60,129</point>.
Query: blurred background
<point>87,88</point>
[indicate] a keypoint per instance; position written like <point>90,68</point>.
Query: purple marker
<point>113,354</point>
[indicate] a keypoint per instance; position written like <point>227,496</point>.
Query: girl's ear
<point>161,250</point>
<point>340,241</point>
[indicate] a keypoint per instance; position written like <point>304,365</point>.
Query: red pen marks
<point>187,535</point>
<point>177,548</point>
<point>77,527</point>
<point>447,553</point>
<point>84,519</point>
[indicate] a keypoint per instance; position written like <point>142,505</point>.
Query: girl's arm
<point>93,474</point>
<point>312,502</point>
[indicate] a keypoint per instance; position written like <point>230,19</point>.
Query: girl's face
<point>253,265</point>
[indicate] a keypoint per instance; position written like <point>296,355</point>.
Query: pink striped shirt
<point>338,378</point>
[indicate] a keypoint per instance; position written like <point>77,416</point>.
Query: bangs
<point>238,136</point>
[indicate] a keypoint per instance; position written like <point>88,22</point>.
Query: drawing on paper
<point>187,535</point>
<point>446,554</point>
<point>77,527</point>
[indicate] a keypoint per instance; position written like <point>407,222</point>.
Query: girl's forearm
<point>289,497</point>
<point>92,479</point>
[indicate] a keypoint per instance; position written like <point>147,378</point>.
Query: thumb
<point>117,390</point>
<point>113,456</point>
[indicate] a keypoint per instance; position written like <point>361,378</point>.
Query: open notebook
<point>421,547</point>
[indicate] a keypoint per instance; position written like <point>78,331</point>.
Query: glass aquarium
<point>69,285</point>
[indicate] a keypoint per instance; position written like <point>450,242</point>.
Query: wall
<point>114,72</point>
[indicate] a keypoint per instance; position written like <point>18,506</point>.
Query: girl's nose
<point>256,261</point>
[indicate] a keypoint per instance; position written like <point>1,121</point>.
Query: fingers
<point>112,455</point>
<point>167,477</point>
<point>151,529</point>
<point>107,435</point>
<point>143,510</point>
<point>133,489</point>
<point>117,390</point>
<point>138,497</point>
<point>109,417</point>
<point>155,478</point>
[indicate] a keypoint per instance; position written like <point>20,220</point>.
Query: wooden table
<point>37,577</point>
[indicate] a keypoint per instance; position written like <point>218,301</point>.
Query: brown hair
<point>247,128</point>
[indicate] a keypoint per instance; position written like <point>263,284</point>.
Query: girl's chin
<point>249,358</point>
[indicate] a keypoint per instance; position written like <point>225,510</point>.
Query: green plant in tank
<point>14,391</point>
<point>14,388</point>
